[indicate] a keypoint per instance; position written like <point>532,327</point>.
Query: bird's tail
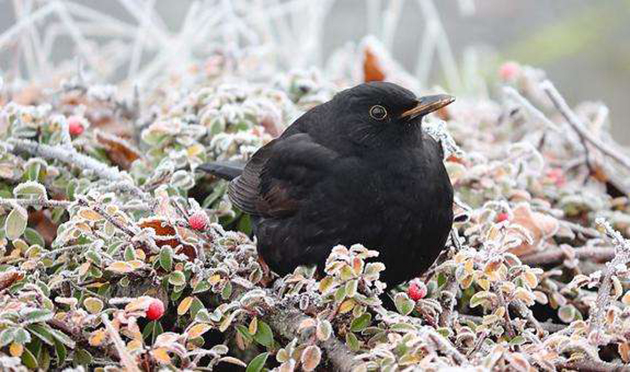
<point>227,171</point>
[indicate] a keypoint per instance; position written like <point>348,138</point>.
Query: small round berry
<point>503,216</point>
<point>198,221</point>
<point>75,126</point>
<point>417,290</point>
<point>509,71</point>
<point>155,310</point>
<point>557,176</point>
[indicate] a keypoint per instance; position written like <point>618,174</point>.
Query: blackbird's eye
<point>378,112</point>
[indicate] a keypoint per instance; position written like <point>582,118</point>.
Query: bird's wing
<point>279,175</point>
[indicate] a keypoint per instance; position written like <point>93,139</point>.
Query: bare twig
<point>68,156</point>
<point>622,257</point>
<point>579,127</point>
<point>36,203</point>
<point>558,255</point>
<point>593,366</point>
<point>515,95</point>
<point>508,321</point>
<point>286,323</point>
<point>128,362</point>
<point>65,249</point>
<point>549,327</point>
<point>108,217</point>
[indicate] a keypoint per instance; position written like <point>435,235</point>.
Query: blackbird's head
<point>380,113</point>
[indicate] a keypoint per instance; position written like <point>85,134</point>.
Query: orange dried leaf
<point>16,349</point>
<point>198,330</point>
<point>134,345</point>
<point>161,355</point>
<point>120,267</point>
<point>184,305</point>
<point>90,215</point>
<point>346,306</point>
<point>97,337</point>
<point>624,351</point>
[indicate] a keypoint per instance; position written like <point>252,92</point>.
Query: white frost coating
<point>139,42</point>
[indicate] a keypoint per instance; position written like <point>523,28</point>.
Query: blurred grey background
<point>584,45</point>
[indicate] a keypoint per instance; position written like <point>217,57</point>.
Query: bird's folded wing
<point>279,175</point>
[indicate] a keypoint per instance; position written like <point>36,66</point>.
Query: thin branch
<point>559,255</point>
<point>36,203</point>
<point>549,327</point>
<point>579,127</point>
<point>622,256</point>
<point>515,95</point>
<point>68,156</point>
<point>128,362</point>
<point>286,323</point>
<point>593,366</point>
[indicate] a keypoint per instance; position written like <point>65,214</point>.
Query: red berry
<point>75,126</point>
<point>509,70</point>
<point>198,221</point>
<point>502,217</point>
<point>155,310</point>
<point>417,290</point>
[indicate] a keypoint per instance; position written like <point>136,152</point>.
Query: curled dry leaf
<point>541,227</point>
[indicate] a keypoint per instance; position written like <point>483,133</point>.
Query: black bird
<point>356,169</point>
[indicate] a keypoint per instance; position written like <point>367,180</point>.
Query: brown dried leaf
<point>198,330</point>
<point>311,356</point>
<point>541,226</point>
<point>119,151</point>
<point>372,71</point>
<point>184,305</point>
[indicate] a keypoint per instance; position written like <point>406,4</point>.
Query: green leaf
<point>29,360</point>
<point>340,294</point>
<point>22,336</point>
<point>361,322</point>
<point>404,305</point>
<point>517,340</point>
<point>30,190</point>
<point>177,278</point>
<point>195,307</point>
<point>352,341</point>
<point>217,192</point>
<point>7,336</point>
<point>245,224</point>
<point>478,299</point>
<point>82,357</point>
<point>36,316</point>
<point>63,338</point>
<point>61,352</point>
<point>202,286</point>
<point>33,237</point>
<point>264,335</point>
<point>227,291</point>
<point>43,332</point>
<point>130,253</point>
<point>148,330</point>
<point>15,223</point>
<point>257,364</point>
<point>166,258</point>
